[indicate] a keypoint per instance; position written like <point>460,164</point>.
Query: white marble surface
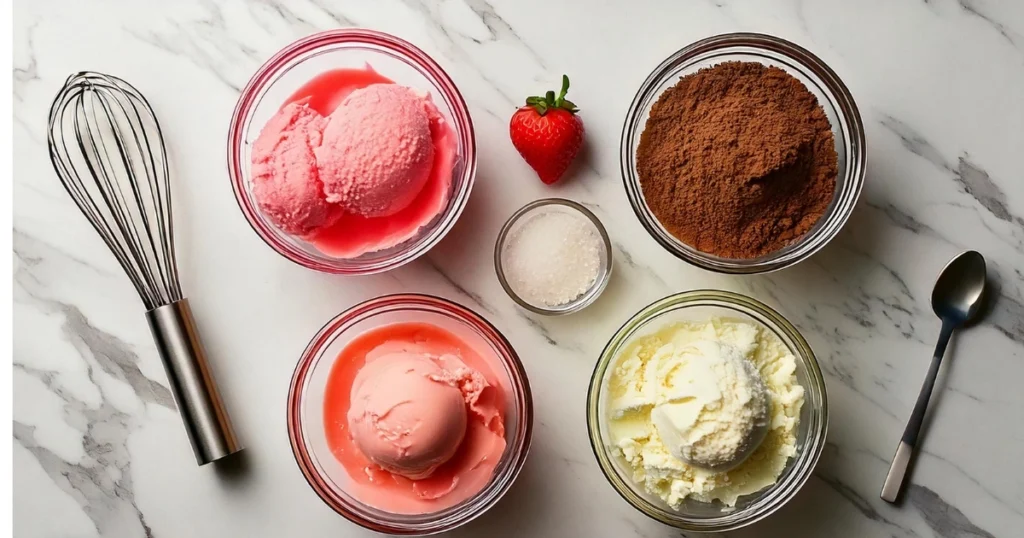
<point>99,450</point>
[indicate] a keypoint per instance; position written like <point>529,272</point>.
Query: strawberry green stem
<point>550,100</point>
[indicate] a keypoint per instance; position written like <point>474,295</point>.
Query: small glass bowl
<point>693,515</point>
<point>296,65</point>
<point>326,475</point>
<point>832,95</point>
<point>564,206</point>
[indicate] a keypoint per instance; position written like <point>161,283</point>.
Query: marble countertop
<point>99,449</point>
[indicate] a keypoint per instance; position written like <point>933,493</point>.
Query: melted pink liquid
<point>461,477</point>
<point>355,235</point>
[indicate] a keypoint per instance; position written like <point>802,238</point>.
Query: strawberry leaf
<point>565,89</point>
<point>550,100</point>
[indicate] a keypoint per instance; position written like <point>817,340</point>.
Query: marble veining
<point>99,449</point>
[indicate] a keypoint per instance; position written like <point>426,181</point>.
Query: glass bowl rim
<point>848,116</point>
<point>521,398</point>
<point>723,299</point>
<point>584,300</point>
<point>266,75</point>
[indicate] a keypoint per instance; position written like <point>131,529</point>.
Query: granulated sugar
<point>552,258</point>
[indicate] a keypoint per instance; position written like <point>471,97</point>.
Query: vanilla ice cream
<point>712,411</point>
<point>706,410</point>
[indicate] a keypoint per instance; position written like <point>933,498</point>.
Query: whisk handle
<point>195,393</point>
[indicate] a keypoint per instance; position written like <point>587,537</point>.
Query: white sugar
<point>552,258</point>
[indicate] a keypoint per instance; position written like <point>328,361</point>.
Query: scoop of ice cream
<point>713,409</point>
<point>407,415</point>
<point>673,361</point>
<point>478,394</point>
<point>285,179</point>
<point>377,149</point>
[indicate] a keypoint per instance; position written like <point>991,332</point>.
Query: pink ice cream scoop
<point>415,415</point>
<point>377,150</point>
<point>408,415</point>
<point>286,181</point>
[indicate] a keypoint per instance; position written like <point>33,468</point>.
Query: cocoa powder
<point>737,160</point>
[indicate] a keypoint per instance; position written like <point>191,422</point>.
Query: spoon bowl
<point>959,288</point>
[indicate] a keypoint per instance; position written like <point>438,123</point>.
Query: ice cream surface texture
<point>706,410</point>
<point>285,181</point>
<point>415,416</point>
<point>354,163</point>
<point>406,416</point>
<point>712,409</point>
<point>377,152</point>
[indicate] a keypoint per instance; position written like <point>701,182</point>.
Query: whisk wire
<point>70,177</point>
<point>102,170</point>
<point>108,151</point>
<point>168,270</point>
<point>127,219</point>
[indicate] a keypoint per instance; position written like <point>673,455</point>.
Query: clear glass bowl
<point>693,515</point>
<point>326,475</point>
<point>565,206</point>
<point>296,65</point>
<point>832,95</point>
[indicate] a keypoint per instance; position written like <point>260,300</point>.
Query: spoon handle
<point>901,460</point>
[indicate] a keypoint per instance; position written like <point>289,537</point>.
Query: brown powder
<point>737,160</point>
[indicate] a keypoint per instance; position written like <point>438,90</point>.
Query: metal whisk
<point>107,148</point>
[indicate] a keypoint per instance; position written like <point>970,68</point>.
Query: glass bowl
<point>565,206</point>
<point>834,99</point>
<point>328,477</point>
<point>693,515</point>
<point>296,65</point>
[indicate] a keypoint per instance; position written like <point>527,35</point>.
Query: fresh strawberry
<point>548,133</point>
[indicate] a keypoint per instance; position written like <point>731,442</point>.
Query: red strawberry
<point>548,133</point>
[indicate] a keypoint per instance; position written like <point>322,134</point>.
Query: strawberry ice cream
<point>377,151</point>
<point>416,418</point>
<point>353,163</point>
<point>406,415</point>
<point>284,169</point>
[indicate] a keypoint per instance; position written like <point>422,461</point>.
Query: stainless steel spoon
<point>956,299</point>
